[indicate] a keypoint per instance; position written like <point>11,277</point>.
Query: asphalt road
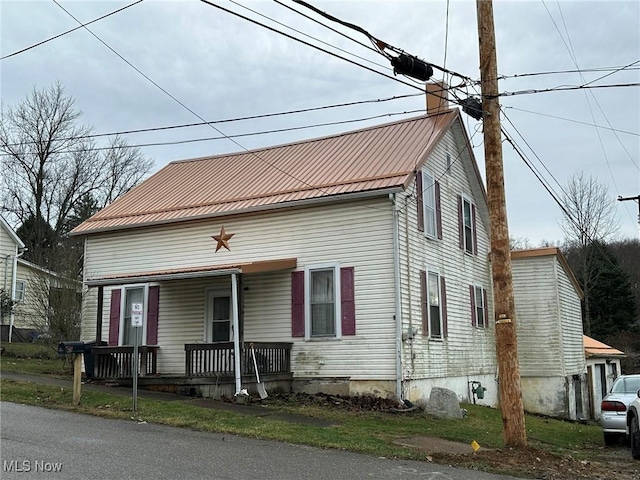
<point>51,444</point>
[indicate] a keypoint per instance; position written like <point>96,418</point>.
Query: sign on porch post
<point>136,322</point>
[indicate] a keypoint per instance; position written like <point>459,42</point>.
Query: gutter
<point>308,202</point>
<point>398,309</point>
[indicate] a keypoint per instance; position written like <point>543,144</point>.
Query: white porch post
<point>236,331</point>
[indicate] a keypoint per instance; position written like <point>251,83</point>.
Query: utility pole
<point>511,405</point>
<point>637,199</point>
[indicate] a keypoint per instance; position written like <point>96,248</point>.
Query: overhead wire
<point>379,44</point>
<point>326,26</point>
<point>271,164</point>
<point>555,198</point>
<point>309,36</point>
<point>570,50</point>
<point>226,137</point>
<point>211,4</point>
<point>69,31</point>
<point>563,88</point>
<point>573,120</point>
<point>230,120</point>
<point>614,69</point>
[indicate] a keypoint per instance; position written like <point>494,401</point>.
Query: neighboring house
<point>603,367</point>
<point>549,327</point>
<point>356,264</point>
<point>11,248</point>
<point>37,293</point>
<point>41,294</point>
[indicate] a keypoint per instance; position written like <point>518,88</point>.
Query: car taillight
<point>613,406</point>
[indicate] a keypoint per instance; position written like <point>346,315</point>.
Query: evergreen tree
<point>612,306</point>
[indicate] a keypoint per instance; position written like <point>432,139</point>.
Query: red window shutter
<point>152,315</point>
<point>443,298</point>
<point>423,302</point>
<point>460,224</point>
<point>473,225</point>
<point>419,201</point>
<point>438,213</point>
<point>114,317</point>
<point>297,304</point>
<point>347,301</point>
<point>472,293</point>
<point>486,309</point>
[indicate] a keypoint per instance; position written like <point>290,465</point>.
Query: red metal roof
<point>368,160</point>
<point>594,348</point>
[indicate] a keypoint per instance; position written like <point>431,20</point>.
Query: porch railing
<point>117,362</point>
<point>207,359</point>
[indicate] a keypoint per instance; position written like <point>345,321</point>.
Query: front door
<point>219,327</point>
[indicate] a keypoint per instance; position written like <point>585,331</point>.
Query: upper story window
<point>428,202</point>
<point>467,225</point>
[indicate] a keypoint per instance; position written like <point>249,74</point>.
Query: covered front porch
<point>209,368</point>
<point>186,353</point>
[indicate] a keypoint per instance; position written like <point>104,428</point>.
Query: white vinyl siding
<point>357,234</point>
<point>570,323</point>
<point>466,350</point>
<point>21,287</point>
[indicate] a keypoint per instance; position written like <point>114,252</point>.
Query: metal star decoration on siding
<point>222,239</point>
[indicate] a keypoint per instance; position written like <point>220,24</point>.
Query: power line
<point>571,52</point>
<point>574,121</point>
<point>69,31</point>
<point>625,67</point>
<point>614,69</point>
<point>230,120</point>
<point>309,36</point>
<point>379,44</point>
<point>291,37</point>
<point>563,207</point>
<point>229,137</point>
<point>566,88</point>
<point>326,26</point>
<point>185,106</point>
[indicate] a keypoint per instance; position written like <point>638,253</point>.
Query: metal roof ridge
<point>312,140</point>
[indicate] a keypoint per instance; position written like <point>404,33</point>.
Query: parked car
<point>633,425</point>
<point>613,417</point>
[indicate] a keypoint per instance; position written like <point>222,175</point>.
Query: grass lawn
<point>359,431</point>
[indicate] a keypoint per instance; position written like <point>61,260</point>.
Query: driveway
<point>52,444</point>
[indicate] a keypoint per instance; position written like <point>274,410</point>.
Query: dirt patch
<point>431,445</point>
<point>606,463</point>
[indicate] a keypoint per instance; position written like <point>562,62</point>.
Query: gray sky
<point>223,67</point>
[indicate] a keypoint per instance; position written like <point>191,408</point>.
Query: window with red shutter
<point>314,311</point>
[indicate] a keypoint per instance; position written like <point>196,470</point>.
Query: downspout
<point>398,310</point>
<point>236,332</point>
<point>6,274</point>
<point>14,276</point>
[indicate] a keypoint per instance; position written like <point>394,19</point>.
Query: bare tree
<point>50,163</point>
<point>592,211</point>
<point>590,219</point>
